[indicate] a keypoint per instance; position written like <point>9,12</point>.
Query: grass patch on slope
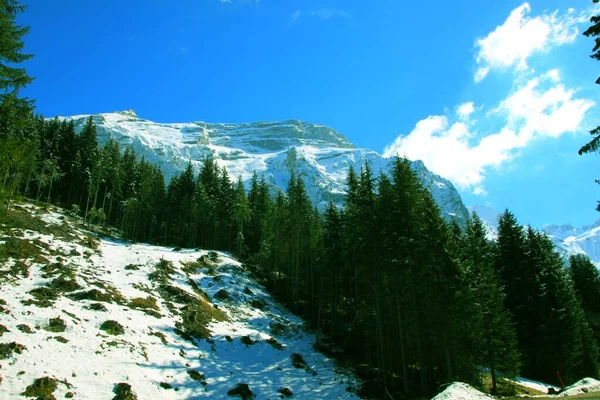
<point>44,297</point>
<point>42,388</point>
<point>7,349</point>
<point>148,305</point>
<point>56,325</point>
<point>112,328</point>
<point>123,391</point>
<point>195,318</point>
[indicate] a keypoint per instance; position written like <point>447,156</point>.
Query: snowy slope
<point>251,343</point>
<point>320,155</point>
<point>567,239</point>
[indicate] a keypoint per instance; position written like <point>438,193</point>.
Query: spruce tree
<point>496,340</point>
<point>241,214</point>
<point>586,282</point>
<point>14,110</point>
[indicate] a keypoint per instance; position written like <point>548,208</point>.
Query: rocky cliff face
<point>319,154</point>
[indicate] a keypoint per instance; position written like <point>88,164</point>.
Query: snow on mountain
<point>87,315</point>
<point>583,240</point>
<point>319,154</point>
<point>489,217</point>
<point>567,239</point>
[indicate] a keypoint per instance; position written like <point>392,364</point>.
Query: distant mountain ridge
<point>567,239</point>
<point>319,154</point>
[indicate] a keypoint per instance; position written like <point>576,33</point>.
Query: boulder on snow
<point>462,391</point>
<point>241,390</point>
<point>222,295</point>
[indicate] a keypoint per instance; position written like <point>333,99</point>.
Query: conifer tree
<point>14,110</point>
<point>496,338</point>
<point>241,212</point>
<point>586,282</point>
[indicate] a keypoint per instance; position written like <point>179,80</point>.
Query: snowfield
<point>251,340</point>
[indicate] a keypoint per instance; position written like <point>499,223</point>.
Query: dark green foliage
<point>222,295</point>
<point>552,331</point>
<point>258,303</point>
<point>298,361</point>
<point>285,392</point>
<point>196,316</point>
<point>159,335</point>
<point>112,328</point>
<point>97,307</point>
<point>144,303</point>
<point>44,296</point>
<point>97,295</point>
<point>56,325</point>
<point>195,375</point>
<point>61,339</point>
<point>586,282</point>
<point>61,284</point>
<point>241,390</point>
<point>247,340</point>
<point>123,391</point>
<point>24,328</point>
<point>165,385</point>
<point>593,31</point>
<point>41,388</point>
<point>495,339</point>
<point>276,345</point>
<point>3,329</point>
<point>7,349</point>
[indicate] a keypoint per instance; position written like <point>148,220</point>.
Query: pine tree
<point>594,31</point>
<point>497,341</point>
<point>13,109</point>
<point>586,283</point>
<point>17,128</point>
<point>241,213</point>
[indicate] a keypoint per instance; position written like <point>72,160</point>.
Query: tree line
<point>412,300</point>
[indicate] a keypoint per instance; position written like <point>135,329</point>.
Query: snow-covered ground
<point>586,385</point>
<point>462,391</point>
<point>535,385</point>
<point>253,344</point>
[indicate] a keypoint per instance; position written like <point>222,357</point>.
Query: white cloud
<point>326,13</point>
<point>295,15</point>
<point>322,13</point>
<point>542,107</point>
<point>465,110</point>
<point>479,191</point>
<point>511,44</point>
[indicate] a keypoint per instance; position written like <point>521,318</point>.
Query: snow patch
<point>462,391</point>
<point>586,385</point>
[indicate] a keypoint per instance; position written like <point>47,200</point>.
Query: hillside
<point>86,317</point>
<point>319,154</point>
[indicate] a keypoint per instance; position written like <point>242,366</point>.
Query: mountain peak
<point>130,113</point>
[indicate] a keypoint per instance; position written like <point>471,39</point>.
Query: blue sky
<point>496,96</point>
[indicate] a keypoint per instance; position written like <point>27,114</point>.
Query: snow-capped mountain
<point>583,240</point>
<point>567,239</point>
<point>319,154</point>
